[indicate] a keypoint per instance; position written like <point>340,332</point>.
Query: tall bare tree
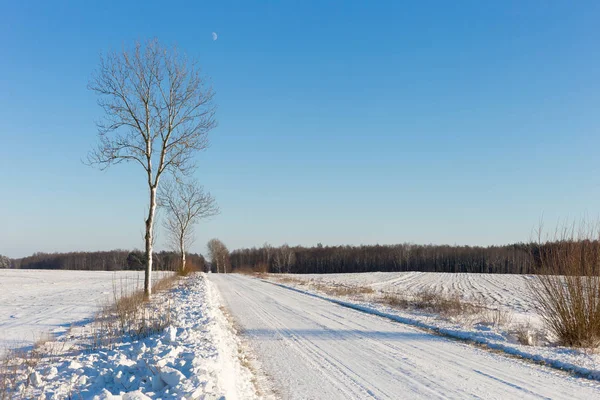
<point>185,204</point>
<point>219,254</point>
<point>158,112</point>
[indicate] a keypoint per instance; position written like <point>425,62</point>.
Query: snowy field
<point>36,303</point>
<point>330,351</point>
<point>518,330</point>
<point>198,356</point>
<point>507,291</point>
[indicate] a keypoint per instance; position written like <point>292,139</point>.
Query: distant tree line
<point>510,259</point>
<point>519,258</point>
<point>114,260</point>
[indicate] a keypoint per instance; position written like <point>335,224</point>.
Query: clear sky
<point>339,122</point>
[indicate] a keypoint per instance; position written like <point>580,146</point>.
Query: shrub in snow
<point>568,284</point>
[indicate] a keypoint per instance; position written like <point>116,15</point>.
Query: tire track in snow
<point>296,344</point>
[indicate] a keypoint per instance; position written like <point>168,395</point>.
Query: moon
<point>215,36</point>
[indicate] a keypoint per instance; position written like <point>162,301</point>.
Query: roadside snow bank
<point>194,358</point>
<point>234,378</point>
<point>584,364</point>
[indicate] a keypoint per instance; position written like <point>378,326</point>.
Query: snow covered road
<point>314,349</point>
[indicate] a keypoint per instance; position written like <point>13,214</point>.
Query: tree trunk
<point>149,239</point>
<point>182,248</point>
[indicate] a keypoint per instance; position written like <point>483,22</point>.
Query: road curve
<point>314,349</point>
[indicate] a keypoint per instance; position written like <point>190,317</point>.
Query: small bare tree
<point>158,112</point>
<point>185,204</point>
<point>219,254</point>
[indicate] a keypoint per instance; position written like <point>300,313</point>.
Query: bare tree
<point>185,204</point>
<point>284,258</point>
<point>219,254</point>
<point>158,112</point>
<point>4,262</point>
<point>268,253</point>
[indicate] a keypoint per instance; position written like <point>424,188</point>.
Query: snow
<point>506,290</point>
<point>497,291</point>
<point>308,344</point>
<point>194,358</point>
<point>314,349</point>
<point>34,303</point>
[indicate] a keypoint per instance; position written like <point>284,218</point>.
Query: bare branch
<point>158,110</point>
<point>185,205</point>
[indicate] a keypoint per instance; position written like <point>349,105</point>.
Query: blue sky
<point>339,122</point>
